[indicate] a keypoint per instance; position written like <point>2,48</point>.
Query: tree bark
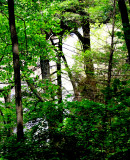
<point>44,62</point>
<point>45,67</point>
<point>7,105</point>
<point>129,2</point>
<point>68,70</point>
<point>87,86</point>
<point>88,64</point>
<point>59,81</point>
<point>16,65</point>
<point>112,46</point>
<point>125,23</point>
<point>70,75</point>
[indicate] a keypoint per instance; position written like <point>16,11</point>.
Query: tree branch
<point>34,90</point>
<point>80,37</point>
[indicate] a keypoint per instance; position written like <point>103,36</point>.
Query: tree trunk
<point>125,23</point>
<point>7,101</point>
<point>129,2</point>
<point>16,64</point>
<point>112,47</point>
<point>88,64</point>
<point>70,76</point>
<point>89,82</point>
<point>45,67</point>
<point>59,82</point>
<point>44,62</point>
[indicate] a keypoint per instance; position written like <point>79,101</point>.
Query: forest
<point>64,79</point>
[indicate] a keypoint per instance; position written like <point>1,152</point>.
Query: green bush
<point>89,130</point>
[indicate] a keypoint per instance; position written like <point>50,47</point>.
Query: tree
<point>125,23</point>
<point>57,127</point>
<point>87,87</point>
<point>112,45</point>
<point>16,64</point>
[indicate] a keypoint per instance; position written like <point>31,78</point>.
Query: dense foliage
<point>91,121</point>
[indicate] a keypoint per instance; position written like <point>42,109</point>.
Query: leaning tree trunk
<point>16,65</point>
<point>125,23</point>
<point>70,75</point>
